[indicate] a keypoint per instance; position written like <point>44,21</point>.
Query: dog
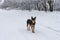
<point>31,24</point>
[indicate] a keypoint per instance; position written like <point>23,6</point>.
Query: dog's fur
<point>31,24</point>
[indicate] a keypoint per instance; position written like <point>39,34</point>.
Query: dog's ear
<point>34,17</point>
<point>31,17</point>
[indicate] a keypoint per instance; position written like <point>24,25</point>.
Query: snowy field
<point>13,25</point>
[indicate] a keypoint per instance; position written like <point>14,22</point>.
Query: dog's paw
<point>28,29</point>
<point>33,32</point>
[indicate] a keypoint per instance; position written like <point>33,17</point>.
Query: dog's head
<point>33,19</point>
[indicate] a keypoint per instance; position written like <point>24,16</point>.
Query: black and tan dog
<point>31,24</point>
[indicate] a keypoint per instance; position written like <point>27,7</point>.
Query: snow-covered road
<point>13,25</point>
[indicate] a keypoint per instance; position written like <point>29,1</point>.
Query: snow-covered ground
<point>13,25</point>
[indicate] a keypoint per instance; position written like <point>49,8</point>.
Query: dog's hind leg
<point>28,27</point>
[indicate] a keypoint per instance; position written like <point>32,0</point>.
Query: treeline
<point>39,5</point>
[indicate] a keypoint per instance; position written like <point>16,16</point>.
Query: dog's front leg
<point>33,29</point>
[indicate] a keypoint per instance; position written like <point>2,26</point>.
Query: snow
<point>13,25</point>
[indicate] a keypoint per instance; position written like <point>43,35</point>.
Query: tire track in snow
<point>51,29</point>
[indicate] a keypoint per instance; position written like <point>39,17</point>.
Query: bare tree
<point>50,2</point>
